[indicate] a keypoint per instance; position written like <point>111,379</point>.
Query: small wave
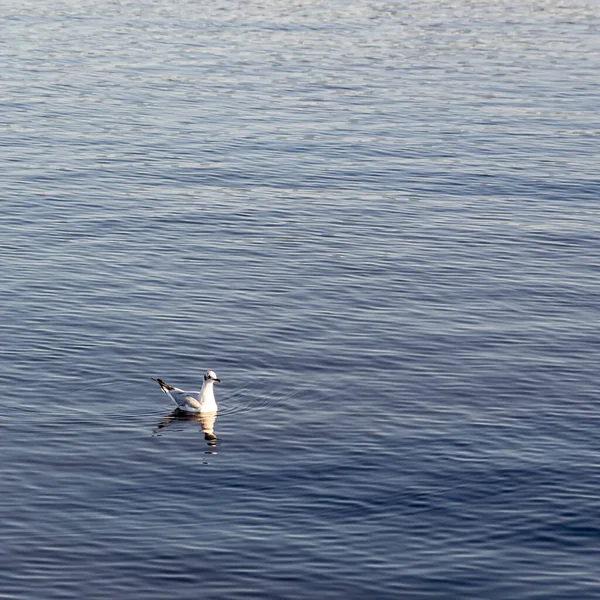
<point>262,394</point>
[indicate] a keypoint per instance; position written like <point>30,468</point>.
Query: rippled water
<point>377,222</point>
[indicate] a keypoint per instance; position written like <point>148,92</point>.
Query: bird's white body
<point>194,402</point>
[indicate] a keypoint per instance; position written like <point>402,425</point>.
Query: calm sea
<point>377,221</point>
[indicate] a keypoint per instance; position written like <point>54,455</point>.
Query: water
<point>377,222</point>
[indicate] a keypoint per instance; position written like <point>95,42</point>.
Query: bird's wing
<point>183,398</point>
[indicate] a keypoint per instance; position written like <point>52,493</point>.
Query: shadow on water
<point>206,422</point>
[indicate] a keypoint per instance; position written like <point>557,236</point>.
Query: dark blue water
<point>377,222</point>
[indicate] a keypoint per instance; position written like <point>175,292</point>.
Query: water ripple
<point>377,222</point>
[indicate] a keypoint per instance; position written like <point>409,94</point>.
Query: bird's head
<point>211,376</point>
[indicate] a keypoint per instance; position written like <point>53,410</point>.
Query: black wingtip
<point>164,386</point>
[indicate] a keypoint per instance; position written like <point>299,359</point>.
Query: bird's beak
<point>217,380</point>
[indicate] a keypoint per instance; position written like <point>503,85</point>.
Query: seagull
<point>193,402</point>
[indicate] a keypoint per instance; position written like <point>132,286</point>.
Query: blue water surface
<point>378,222</point>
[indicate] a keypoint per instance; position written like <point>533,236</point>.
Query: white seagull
<point>193,402</point>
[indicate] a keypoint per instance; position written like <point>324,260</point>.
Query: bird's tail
<point>165,387</point>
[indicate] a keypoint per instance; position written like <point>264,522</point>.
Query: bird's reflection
<point>205,420</point>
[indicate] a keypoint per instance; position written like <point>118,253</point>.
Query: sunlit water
<point>377,222</point>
